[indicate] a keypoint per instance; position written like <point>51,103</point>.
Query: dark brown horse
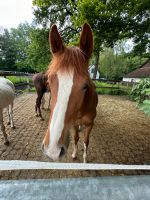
<point>40,83</point>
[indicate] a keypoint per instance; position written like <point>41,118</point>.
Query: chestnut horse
<point>40,84</point>
<point>73,94</point>
<point>7,95</point>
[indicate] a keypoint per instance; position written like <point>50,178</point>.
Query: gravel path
<point>121,135</point>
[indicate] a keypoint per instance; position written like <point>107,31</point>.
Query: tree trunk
<point>96,65</point>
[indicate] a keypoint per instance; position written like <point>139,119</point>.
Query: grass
<point>31,89</point>
<point>104,84</point>
<point>112,91</point>
<point>18,79</point>
<point>115,89</point>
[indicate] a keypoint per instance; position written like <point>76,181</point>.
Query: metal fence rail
<point>21,165</point>
<point>100,188</point>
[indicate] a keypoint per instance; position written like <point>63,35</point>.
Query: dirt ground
<point>121,135</point>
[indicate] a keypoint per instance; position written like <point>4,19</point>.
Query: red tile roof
<point>142,72</point>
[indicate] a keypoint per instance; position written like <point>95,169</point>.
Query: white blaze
<point>65,83</point>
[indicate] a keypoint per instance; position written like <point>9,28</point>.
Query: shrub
<point>139,93</point>
<point>145,106</point>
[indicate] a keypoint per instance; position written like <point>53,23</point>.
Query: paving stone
<point>115,138</point>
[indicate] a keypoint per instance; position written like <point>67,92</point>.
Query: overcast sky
<point>13,12</point>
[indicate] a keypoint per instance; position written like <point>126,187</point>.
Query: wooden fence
<point>115,84</point>
<point>18,86</point>
<point>11,73</point>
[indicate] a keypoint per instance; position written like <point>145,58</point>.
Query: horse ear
<point>55,40</point>
<point>86,40</point>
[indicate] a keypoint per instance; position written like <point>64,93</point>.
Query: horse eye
<point>85,87</point>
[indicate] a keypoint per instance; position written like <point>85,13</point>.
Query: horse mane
<point>72,59</point>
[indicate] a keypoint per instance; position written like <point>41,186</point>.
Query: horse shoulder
<point>89,105</point>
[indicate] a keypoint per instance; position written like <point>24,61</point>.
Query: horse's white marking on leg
<point>1,118</point>
<point>49,101</point>
<point>2,126</point>
<point>8,115</point>
<point>84,153</point>
<point>11,115</point>
<point>74,154</point>
<point>65,83</point>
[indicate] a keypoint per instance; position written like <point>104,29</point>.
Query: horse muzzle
<point>54,153</point>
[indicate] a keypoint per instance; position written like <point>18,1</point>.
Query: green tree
<point>116,19</point>
<point>106,24</point>
<point>110,20</point>
<point>113,65</point>
<point>60,12</point>
<point>69,15</point>
<point>136,14</point>
<point>7,51</point>
<point>115,62</point>
<point>20,37</point>
<point>38,50</point>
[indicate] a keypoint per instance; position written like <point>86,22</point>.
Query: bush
<point>145,106</point>
<point>139,93</point>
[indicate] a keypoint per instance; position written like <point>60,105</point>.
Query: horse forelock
<point>72,59</point>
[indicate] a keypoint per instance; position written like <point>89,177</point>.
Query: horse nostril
<point>62,152</point>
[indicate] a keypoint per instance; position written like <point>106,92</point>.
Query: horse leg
<point>86,141</point>
<point>3,128</point>
<point>36,108</point>
<point>49,101</point>
<point>76,139</point>
<point>8,116</point>
<point>40,95</point>
<point>37,105</point>
<point>43,102</point>
<point>11,116</point>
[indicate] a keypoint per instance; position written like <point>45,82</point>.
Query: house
<point>91,72</point>
<point>142,72</point>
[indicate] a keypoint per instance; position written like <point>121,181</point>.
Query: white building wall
<point>91,72</point>
<point>134,80</point>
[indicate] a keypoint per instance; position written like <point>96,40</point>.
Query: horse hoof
<point>8,123</point>
<point>42,119</point>
<point>6,143</point>
<point>75,158</point>
<point>13,127</point>
<point>37,115</point>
